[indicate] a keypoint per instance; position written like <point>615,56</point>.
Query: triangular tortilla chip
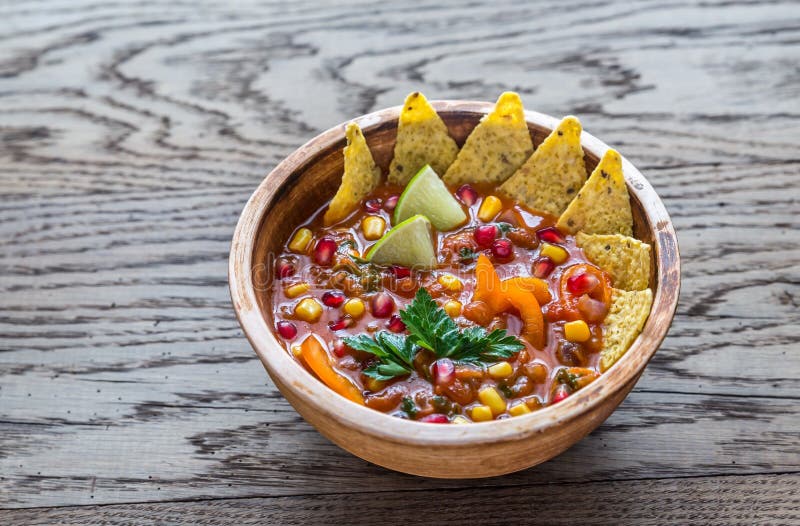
<point>627,260</point>
<point>551,177</point>
<point>624,321</point>
<point>497,146</point>
<point>422,138</point>
<point>602,206</point>
<point>360,177</point>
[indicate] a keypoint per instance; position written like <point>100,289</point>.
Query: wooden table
<point>132,134</point>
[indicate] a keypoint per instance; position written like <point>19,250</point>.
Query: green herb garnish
<point>429,327</point>
<point>467,255</point>
<point>409,407</point>
<point>395,354</point>
<point>505,227</point>
<point>567,378</point>
<point>346,246</point>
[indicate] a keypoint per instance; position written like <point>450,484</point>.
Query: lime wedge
<point>408,244</point>
<point>426,194</point>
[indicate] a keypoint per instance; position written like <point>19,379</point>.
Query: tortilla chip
<point>627,260</point>
<point>422,138</point>
<point>602,206</point>
<point>361,176</point>
<point>624,321</point>
<point>497,146</point>
<point>550,178</point>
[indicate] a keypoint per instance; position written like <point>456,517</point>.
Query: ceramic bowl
<point>309,177</point>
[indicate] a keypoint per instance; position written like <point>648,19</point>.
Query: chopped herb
<point>506,390</point>
<point>409,407</point>
<point>429,327</point>
<point>505,227</point>
<point>346,246</point>
<point>467,255</point>
<point>567,378</point>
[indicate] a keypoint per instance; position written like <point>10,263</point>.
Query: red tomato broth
<point>417,386</point>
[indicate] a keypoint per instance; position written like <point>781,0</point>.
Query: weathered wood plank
<point>205,449</point>
<point>131,135</point>
<point>730,501</point>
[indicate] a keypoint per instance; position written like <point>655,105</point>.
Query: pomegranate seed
<point>592,309</point>
<point>339,348</point>
<point>444,371</point>
<point>561,393</point>
<point>342,323</point>
<point>550,235</point>
<point>582,283</point>
<point>467,195</point>
<point>400,272</point>
<point>333,299</point>
<point>382,305</point>
<point>373,205</point>
<point>287,330</point>
<point>391,202</point>
<point>502,248</point>
<point>324,251</point>
<point>542,267</point>
<point>285,269</point>
<point>395,324</point>
<point>435,418</point>
<point>485,234</point>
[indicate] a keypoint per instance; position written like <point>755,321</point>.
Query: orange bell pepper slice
<point>521,294</point>
<point>535,285</point>
<point>316,358</point>
<point>487,285</point>
<point>530,312</point>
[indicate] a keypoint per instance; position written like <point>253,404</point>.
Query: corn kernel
<point>301,240</point>
<point>373,227</point>
<point>458,419</point>
<point>354,307</point>
<point>492,398</point>
<point>450,282</point>
<point>309,309</point>
<point>481,413</point>
<point>453,308</point>
<point>554,252</point>
<point>297,289</point>
<point>490,207</point>
<point>297,351</point>
<point>500,370</point>
<point>373,384</point>
<point>519,409</point>
<point>577,331</point>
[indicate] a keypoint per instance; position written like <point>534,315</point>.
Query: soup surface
<point>324,288</point>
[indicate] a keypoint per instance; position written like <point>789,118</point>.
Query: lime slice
<point>408,244</point>
<point>426,194</point>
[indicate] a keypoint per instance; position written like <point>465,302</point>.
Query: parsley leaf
<point>429,326</point>
<point>395,354</point>
<point>478,346</point>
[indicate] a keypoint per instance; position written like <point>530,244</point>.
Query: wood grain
<point>132,134</point>
<point>730,501</point>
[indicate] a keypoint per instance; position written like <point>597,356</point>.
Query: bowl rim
<point>283,368</point>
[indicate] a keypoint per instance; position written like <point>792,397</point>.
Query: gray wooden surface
<point>131,134</point>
